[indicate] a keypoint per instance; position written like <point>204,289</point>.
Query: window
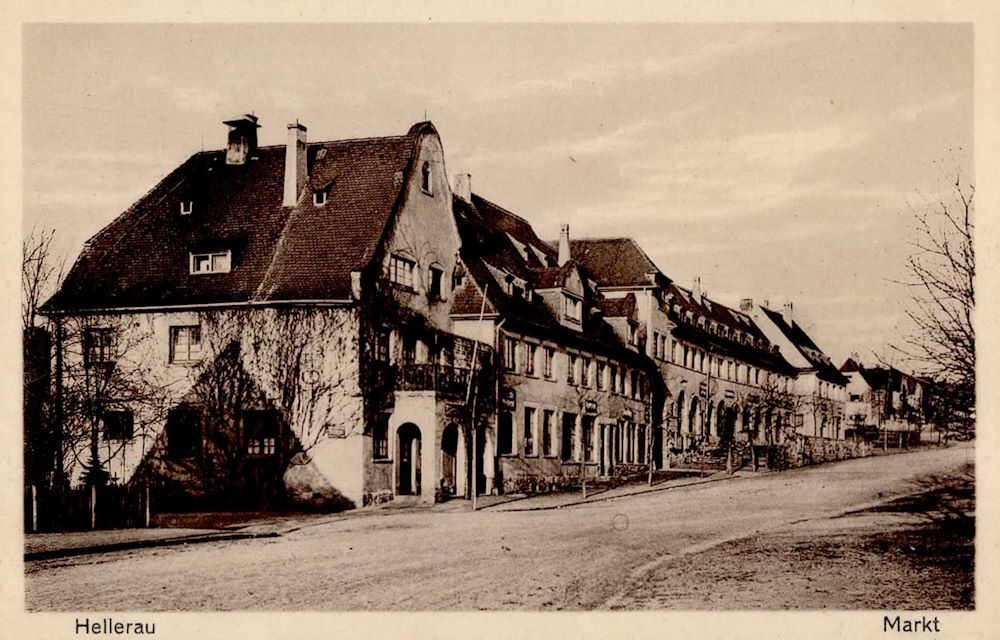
<point>185,344</point>
<point>214,262</point>
<point>434,286</point>
<point>633,335</point>
<point>380,437</point>
<point>401,271</point>
<point>529,360</point>
<point>183,433</point>
<point>621,380</point>
<point>574,309</point>
<point>568,437</point>
<point>260,431</point>
<point>601,371</point>
<point>585,371</point>
<point>382,345</point>
<point>642,444</point>
<point>187,206</point>
<point>548,424</point>
<point>687,356</point>
<point>530,423</point>
<point>505,435</point>
<point>656,345</point>
<point>571,359</point>
<point>98,347</point>
<point>117,425</point>
<point>673,351</point>
<point>550,355</point>
<point>425,178</point>
<point>510,354</point>
<point>588,438</point>
<point>701,361</point>
<point>635,384</point>
<point>613,378</point>
<point>855,397</point>
<point>319,197</point>
<point>756,375</point>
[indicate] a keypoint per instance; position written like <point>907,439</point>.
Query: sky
<point>779,162</point>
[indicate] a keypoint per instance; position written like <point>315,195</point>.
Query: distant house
<point>818,382</point>
<point>885,398</point>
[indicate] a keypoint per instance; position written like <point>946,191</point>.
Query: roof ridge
<point>504,210</point>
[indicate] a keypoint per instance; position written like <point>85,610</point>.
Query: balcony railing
<point>447,379</point>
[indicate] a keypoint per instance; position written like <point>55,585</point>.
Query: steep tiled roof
<point>825,368</point>
<point>278,253</point>
<point>614,262</point>
<point>484,229</point>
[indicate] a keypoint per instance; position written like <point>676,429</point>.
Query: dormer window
<point>215,262</point>
<point>573,309</point>
<point>187,206</point>
<point>425,178</point>
<point>319,197</point>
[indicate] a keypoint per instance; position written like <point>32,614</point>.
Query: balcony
<point>445,379</point>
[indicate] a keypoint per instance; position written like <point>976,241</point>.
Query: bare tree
<point>41,273</point>
<point>941,284</point>
<point>114,394</point>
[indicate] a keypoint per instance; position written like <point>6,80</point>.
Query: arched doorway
<point>720,420</point>
<point>680,412</point>
<point>693,427</point>
<point>408,457</point>
<point>449,460</point>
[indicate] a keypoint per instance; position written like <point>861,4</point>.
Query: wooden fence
<point>81,508</point>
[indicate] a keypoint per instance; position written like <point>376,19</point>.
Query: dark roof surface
<point>614,262</point>
<point>484,228</point>
<point>279,253</point>
<point>825,368</point>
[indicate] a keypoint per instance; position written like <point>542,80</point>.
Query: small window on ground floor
<point>117,425</point>
<point>260,432</point>
<point>183,433</point>
<point>380,437</point>
<point>568,437</point>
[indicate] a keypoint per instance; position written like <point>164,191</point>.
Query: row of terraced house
<point>340,320</point>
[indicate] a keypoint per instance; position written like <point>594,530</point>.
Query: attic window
<point>401,271</point>
<point>216,262</point>
<point>319,197</point>
<point>434,286</point>
<point>425,178</point>
<point>574,309</point>
<point>187,206</point>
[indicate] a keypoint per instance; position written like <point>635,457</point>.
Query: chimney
<point>564,245</point>
<point>463,186</point>
<point>767,303</point>
<point>696,290</point>
<point>786,313</point>
<point>242,140</point>
<point>295,163</point>
<point>746,306</point>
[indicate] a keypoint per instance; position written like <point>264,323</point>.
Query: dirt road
<point>634,552</point>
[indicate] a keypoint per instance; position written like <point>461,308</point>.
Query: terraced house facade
<point>324,321</point>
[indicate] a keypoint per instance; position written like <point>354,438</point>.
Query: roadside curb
<point>50,554</point>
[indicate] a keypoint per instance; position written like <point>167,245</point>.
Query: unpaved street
<point>635,552</point>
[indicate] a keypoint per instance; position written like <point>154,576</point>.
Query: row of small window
<point>523,357</point>
<point>574,440</point>
<point>404,272</point>
<point>697,359</point>
<point>717,328</point>
<point>99,346</point>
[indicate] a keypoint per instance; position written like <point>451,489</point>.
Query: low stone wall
<point>806,450</point>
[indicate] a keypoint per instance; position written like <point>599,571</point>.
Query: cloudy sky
<point>776,162</point>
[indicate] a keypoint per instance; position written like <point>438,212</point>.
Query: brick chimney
<point>564,245</point>
<point>696,292</point>
<point>786,313</point>
<point>746,305</point>
<point>242,140</point>
<point>463,186</point>
<point>295,163</point>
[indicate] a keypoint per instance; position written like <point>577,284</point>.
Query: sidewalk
<point>178,529</point>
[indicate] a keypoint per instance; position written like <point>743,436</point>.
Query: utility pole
<point>474,481</point>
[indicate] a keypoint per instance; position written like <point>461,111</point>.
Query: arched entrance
<point>449,460</point>
<point>720,420</point>
<point>408,460</point>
